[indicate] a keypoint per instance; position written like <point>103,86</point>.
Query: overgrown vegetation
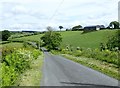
<point>105,56</point>
<point>32,76</point>
<point>17,57</point>
<point>15,63</point>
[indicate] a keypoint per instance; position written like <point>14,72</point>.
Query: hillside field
<point>30,38</point>
<point>77,39</point>
<point>12,44</point>
<point>87,40</point>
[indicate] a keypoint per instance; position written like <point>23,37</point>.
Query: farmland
<point>12,45</point>
<point>76,38</point>
<point>28,38</point>
<point>88,40</point>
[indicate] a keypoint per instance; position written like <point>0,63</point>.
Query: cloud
<point>41,13</point>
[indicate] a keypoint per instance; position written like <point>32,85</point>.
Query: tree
<point>51,39</point>
<point>49,28</point>
<point>5,35</point>
<point>60,27</point>
<point>114,41</point>
<point>114,25</point>
<point>76,28</point>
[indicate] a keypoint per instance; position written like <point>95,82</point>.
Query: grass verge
<point>32,76</point>
<point>106,68</point>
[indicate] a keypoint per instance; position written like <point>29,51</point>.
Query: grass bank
<point>106,68</point>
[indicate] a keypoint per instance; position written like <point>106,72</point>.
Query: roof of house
<point>100,26</point>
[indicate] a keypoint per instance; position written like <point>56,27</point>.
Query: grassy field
<point>88,40</point>
<point>12,45</point>
<point>77,39</point>
<point>30,38</point>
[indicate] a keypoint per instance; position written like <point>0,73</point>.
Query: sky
<point>36,15</point>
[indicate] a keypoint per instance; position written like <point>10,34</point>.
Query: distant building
<point>94,28</point>
<point>119,11</point>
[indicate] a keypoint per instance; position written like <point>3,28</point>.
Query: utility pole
<point>119,11</point>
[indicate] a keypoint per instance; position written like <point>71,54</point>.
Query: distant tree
<point>49,28</point>
<point>51,39</point>
<point>68,29</point>
<point>60,27</point>
<point>114,25</point>
<point>108,27</point>
<point>5,35</point>
<point>76,28</point>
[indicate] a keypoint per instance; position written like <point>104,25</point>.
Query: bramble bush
<point>15,63</point>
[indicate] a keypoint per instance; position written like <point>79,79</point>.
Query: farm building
<point>94,28</point>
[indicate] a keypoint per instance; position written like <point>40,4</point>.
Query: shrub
<point>51,39</point>
<point>16,63</point>
<point>5,35</point>
<point>114,41</point>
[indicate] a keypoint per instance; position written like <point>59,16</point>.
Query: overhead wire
<point>54,14</point>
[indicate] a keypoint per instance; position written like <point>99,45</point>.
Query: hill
<point>77,39</point>
<point>87,40</point>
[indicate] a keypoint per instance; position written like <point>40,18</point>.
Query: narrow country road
<point>59,71</point>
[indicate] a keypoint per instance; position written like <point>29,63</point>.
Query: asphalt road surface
<point>59,71</point>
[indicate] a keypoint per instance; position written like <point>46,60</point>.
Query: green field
<point>13,44</point>
<point>77,39</point>
<point>87,40</point>
<point>30,38</point>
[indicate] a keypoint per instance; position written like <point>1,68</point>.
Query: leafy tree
<point>5,35</point>
<point>114,41</point>
<point>49,28</point>
<point>51,39</point>
<point>114,25</point>
<point>60,27</point>
<point>76,28</point>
